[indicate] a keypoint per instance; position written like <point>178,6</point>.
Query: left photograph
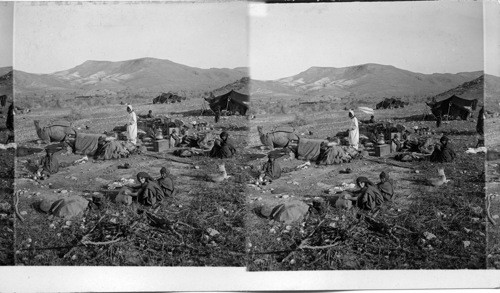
<point>7,146</point>
<point>131,130</point>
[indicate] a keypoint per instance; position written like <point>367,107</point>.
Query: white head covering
<point>351,112</point>
<point>130,107</point>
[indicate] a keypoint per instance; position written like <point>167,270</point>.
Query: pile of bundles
<point>324,152</point>
<point>373,131</point>
<point>415,149</point>
<point>336,154</point>
<point>102,147</point>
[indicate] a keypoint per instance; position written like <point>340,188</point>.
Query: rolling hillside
<point>367,80</point>
<point>134,76</point>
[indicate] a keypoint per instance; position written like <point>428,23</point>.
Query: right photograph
<point>368,135</point>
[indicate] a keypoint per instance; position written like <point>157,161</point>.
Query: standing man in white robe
<point>353,130</point>
<point>131,125</point>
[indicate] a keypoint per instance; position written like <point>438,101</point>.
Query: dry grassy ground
<point>6,211</point>
<point>493,193</point>
<point>395,238</point>
<point>179,233</point>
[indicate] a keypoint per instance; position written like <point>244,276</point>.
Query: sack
<point>123,196</point>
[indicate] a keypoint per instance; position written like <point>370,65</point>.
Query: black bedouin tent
<point>453,107</point>
<point>232,102</point>
<point>166,98</point>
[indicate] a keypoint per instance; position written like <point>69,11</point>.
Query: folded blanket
<point>309,149</point>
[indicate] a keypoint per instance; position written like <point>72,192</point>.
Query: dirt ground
<point>453,213</point>
<point>493,194</point>
<point>6,207</point>
<point>179,232</point>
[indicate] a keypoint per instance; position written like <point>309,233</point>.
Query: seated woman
<point>270,170</point>
<point>166,182</point>
<point>223,148</point>
<point>149,191</point>
<point>368,197</point>
<point>386,187</point>
<point>443,153</point>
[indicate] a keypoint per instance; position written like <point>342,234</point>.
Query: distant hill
<point>6,81</point>
<point>5,70</point>
<point>144,75</point>
<point>492,93</point>
<point>470,90</point>
<point>367,80</point>
<point>241,86</point>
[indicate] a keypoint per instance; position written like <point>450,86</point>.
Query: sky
<point>6,21</point>
<point>425,37</point>
<point>492,38</point>
<point>52,37</point>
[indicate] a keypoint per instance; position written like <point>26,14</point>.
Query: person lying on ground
<point>444,152</point>
<point>166,182</point>
<point>386,187</point>
<point>149,191</point>
<point>223,148</point>
<point>368,197</point>
<point>270,170</point>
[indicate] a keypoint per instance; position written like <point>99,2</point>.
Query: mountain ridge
<point>137,75</point>
<point>363,80</point>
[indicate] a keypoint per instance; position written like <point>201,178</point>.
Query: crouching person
<point>149,192</point>
<point>223,148</point>
<point>368,197</point>
<point>271,170</point>
<point>166,182</point>
<point>48,165</point>
<point>386,187</point>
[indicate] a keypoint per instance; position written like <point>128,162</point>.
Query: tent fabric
<point>453,106</point>
<point>309,149</point>
<point>168,98</point>
<point>232,101</point>
<point>456,100</point>
<point>290,212</point>
<point>65,207</point>
<point>87,144</point>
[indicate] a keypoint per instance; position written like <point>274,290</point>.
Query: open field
<point>201,225</point>
<point>425,227</point>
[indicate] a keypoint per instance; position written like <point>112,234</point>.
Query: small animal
<point>220,176</point>
<point>440,180</point>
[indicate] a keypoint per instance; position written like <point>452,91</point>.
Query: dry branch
<point>16,208</point>
<point>85,242</point>
<point>488,199</point>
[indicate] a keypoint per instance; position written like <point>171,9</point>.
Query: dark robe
<point>224,149</point>
<point>10,118</point>
<point>272,169</point>
<point>443,154</point>
<point>166,185</point>
<point>480,122</point>
<point>387,190</point>
<point>50,164</point>
<point>151,193</point>
<point>369,198</point>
